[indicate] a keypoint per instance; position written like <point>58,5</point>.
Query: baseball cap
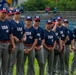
<point>54,19</point>
<point>9,12</point>
<point>59,18</point>
<point>28,18</point>
<point>49,22</point>
<point>16,11</point>
<point>65,21</point>
<point>3,10</point>
<point>36,18</point>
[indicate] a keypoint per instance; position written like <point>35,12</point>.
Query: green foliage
<point>62,5</point>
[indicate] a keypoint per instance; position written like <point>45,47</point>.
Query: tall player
<point>6,36</point>
<point>38,48</point>
<point>49,46</point>
<point>19,37</point>
<point>29,45</point>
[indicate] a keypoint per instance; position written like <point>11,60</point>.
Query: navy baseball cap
<point>65,21</point>
<point>16,11</point>
<point>49,22</point>
<point>59,18</point>
<point>3,10</point>
<point>9,12</point>
<point>54,19</point>
<point>36,18</point>
<point>28,18</point>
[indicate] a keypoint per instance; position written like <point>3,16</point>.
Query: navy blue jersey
<point>40,35</point>
<point>70,36</point>
<point>57,33</point>
<point>18,29</point>
<point>63,32</point>
<point>49,37</point>
<point>74,32</point>
<point>31,35</point>
<point>5,30</point>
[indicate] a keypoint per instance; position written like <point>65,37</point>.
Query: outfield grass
<point>37,68</point>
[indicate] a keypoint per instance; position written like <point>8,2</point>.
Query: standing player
<point>73,65</point>
<point>29,45</point>
<point>67,46</point>
<point>9,17</point>
<point>64,38</point>
<point>58,47</point>
<point>49,45</point>
<point>6,36</point>
<point>38,49</point>
<point>19,37</point>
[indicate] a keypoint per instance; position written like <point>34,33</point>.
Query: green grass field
<point>37,68</point>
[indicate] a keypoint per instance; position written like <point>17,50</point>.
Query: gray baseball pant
<point>66,58</point>
<point>49,56</point>
<point>39,55</point>
<point>18,54</point>
<point>31,57</point>
<point>4,54</point>
<point>73,65</point>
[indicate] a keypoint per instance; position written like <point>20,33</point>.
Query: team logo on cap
<point>4,8</point>
<point>10,11</point>
<point>17,10</point>
<point>37,16</point>
<point>49,20</point>
<point>29,17</point>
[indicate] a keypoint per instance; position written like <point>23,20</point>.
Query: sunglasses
<point>49,23</point>
<point>37,20</point>
<point>28,19</point>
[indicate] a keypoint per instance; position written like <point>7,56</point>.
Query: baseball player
<point>67,46</point>
<point>38,49</point>
<point>6,37</point>
<point>9,17</point>
<point>19,37</point>
<point>49,45</point>
<point>64,37</point>
<point>73,65</point>
<point>29,45</point>
<point>58,47</point>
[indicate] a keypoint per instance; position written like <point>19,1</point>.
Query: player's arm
<point>66,35</point>
<point>54,45</point>
<point>12,40</point>
<point>60,43</point>
<point>24,37</point>
<point>66,39</point>
<point>72,45</point>
<point>45,46</point>
<point>72,41</point>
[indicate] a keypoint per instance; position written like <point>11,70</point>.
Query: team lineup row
<point>52,44</point>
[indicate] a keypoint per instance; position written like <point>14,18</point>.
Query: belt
<point>4,41</point>
<point>49,46</point>
<point>27,44</point>
<point>38,45</point>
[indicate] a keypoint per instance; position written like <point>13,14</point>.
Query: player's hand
<point>38,48</point>
<point>71,50</point>
<point>23,39</point>
<point>16,39</point>
<point>27,51</point>
<point>56,23</point>
<point>51,49</point>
